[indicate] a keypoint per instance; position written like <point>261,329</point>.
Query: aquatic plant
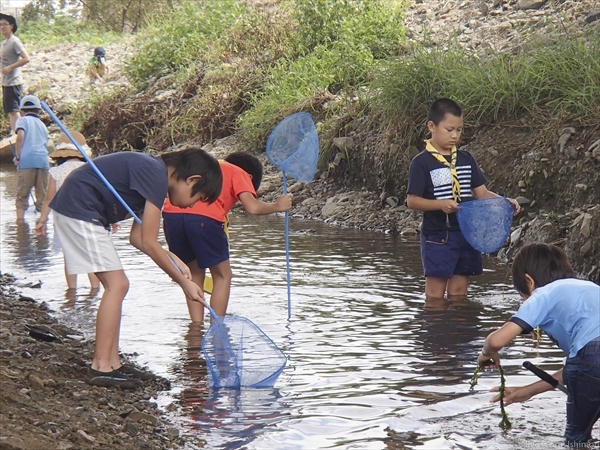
<point>505,423</point>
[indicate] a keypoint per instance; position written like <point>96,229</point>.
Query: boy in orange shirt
<point>197,235</point>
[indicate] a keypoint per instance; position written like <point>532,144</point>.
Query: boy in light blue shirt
<point>568,311</point>
<point>31,155</point>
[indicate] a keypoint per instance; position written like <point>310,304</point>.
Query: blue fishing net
<point>238,354</point>
<point>293,146</point>
<point>486,222</point>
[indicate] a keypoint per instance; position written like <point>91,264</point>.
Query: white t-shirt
<point>59,173</point>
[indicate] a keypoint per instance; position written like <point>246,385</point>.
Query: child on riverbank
<point>85,207</point>
<point>67,159</point>
<point>439,179</point>
<point>197,235</point>
<point>31,155</point>
<point>568,310</point>
<point>97,67</point>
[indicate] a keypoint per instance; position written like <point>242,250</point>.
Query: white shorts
<point>87,247</point>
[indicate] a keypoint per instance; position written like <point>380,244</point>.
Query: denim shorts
<point>581,375</point>
<point>447,253</point>
<point>194,237</point>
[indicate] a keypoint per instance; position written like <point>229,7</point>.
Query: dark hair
<point>441,107</point>
<point>250,163</point>
<point>195,161</point>
<point>544,263</point>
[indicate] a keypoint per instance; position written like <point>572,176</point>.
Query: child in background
<point>568,310</point>
<point>97,68</point>
<point>67,159</point>
<point>197,235</point>
<point>439,179</point>
<point>31,155</point>
<point>85,207</point>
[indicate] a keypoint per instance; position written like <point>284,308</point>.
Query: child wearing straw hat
<point>67,159</point>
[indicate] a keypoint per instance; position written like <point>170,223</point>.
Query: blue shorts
<point>447,253</point>
<point>193,237</point>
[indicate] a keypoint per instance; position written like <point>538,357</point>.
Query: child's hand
<point>40,229</point>
<point>284,203</point>
<point>114,227</point>
<point>512,395</point>
<point>449,206</point>
<point>491,361</point>
<point>515,205</point>
<point>192,290</point>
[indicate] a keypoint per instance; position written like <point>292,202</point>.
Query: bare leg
<point>13,116</point>
<point>221,275</point>
<point>108,320</point>
<point>457,286</point>
<point>71,279</point>
<point>196,309</point>
<point>94,281</point>
<point>435,287</point>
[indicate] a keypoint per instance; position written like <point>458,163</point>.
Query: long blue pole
<point>57,121</point>
<point>287,250</point>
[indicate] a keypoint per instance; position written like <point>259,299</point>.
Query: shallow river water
<point>369,365</point>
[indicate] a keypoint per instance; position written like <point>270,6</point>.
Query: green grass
<point>63,30</point>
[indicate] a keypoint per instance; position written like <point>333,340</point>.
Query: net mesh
<point>238,354</point>
<point>486,222</point>
<point>293,146</point>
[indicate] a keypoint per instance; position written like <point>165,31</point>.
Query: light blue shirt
<point>34,149</point>
<point>567,310</point>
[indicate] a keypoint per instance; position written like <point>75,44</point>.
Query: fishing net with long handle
<point>293,146</point>
<point>239,354</point>
<point>485,223</point>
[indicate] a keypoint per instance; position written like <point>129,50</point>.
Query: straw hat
<point>66,149</point>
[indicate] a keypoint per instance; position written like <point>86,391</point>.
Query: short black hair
<point>250,163</point>
<point>441,107</point>
<point>195,161</point>
<point>544,263</point>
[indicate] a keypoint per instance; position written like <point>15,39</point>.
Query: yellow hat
<point>66,149</point>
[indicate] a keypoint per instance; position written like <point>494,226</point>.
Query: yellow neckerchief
<point>452,165</point>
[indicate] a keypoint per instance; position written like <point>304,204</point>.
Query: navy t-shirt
<point>137,177</point>
<point>430,179</point>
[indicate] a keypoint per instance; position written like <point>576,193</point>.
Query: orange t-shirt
<point>235,181</point>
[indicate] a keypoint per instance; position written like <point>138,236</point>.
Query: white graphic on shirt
<point>442,182</point>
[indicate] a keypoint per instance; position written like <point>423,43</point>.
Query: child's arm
<point>424,204</point>
<point>524,393</point>
<point>145,238</point>
<point>257,207</point>
<point>18,145</point>
<point>495,341</point>
<point>483,192</point>
<point>40,228</point>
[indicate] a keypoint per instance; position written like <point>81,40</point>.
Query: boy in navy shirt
<point>84,209</point>
<point>31,155</point>
<point>568,310</point>
<point>439,179</point>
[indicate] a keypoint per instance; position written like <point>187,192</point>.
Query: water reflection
<point>233,415</point>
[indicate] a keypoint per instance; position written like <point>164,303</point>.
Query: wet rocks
<point>45,402</point>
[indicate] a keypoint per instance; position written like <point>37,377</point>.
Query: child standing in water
<point>439,179</point>
<point>568,311</point>
<point>197,235</point>
<point>67,159</point>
